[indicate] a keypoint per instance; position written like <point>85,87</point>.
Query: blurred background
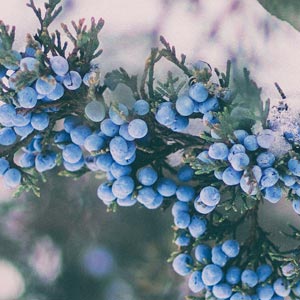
<point>65,245</point>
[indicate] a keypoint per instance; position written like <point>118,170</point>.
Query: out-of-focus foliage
<point>101,253</point>
<point>286,10</point>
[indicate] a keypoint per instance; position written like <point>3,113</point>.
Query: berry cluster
<point>54,115</point>
<point>210,273</point>
<point>197,100</point>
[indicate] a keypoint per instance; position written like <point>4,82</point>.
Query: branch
<point>170,54</point>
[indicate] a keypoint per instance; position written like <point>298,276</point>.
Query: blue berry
<point>210,119</point>
<point>204,157</point>
<point>45,161</point>
<point>29,64</point>
<point>198,92</point>
<point>7,136</point>
<point>123,187</point>
<point>118,113</point>
<point>182,219</point>
<point>20,119</point>
<point>235,149</point>
<point>294,166</point>
<point>128,201</point>
<point>197,226</point>
<point>123,132</point>
<point>183,239</point>
<point>182,264</point>
<point>109,128</point>
<point>59,65</point>
<point>4,165</point>
<point>129,159</point>
<point>95,111</point>
<point>273,194</point>
<point>250,143</point>
<point>147,176</point>
<point>141,107</point>
<point>7,113</point>
<point>40,121</point>
<point>266,138</point>
<point>296,206</point>
<point>281,287</point>
<point>165,114</point>
<point>118,147</point>
<point>105,193</point>
<point>211,104</point>
<point>131,150</point>
<point>210,196</point>
<point>146,195</point>
<point>23,131</point>
<point>231,176</point>
<point>156,202</point>
<point>269,177</point>
<point>240,135</point>
<point>289,136</point>
<point>57,93</point>
<point>195,283</point>
<point>265,159</point>
<point>288,269</point>
<point>201,207</point>
<point>180,123</point>
<point>12,177</point>
<point>137,128</point>
<point>118,170</point>
<point>71,122</point>
<point>94,142</point>
<point>218,257</point>
<point>79,134</point>
<point>203,254</point>
<point>240,296</point>
<point>104,161</point>
<point>218,174</point>
<point>218,151</point>
<point>27,160</point>
<point>212,274</point>
<point>185,173</point>
<point>90,77</point>
<point>73,167</point>
<point>233,275</point>
<point>185,105</point>
<point>166,187</point>
<point>27,97</point>
<point>288,180</point>
<point>45,85</point>
<point>61,138</point>
<point>72,80</point>
<point>249,278</point>
<point>185,193</point>
<point>231,248</point>
<point>179,206</point>
<point>239,161</point>
<point>72,153</point>
<point>222,291</point>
